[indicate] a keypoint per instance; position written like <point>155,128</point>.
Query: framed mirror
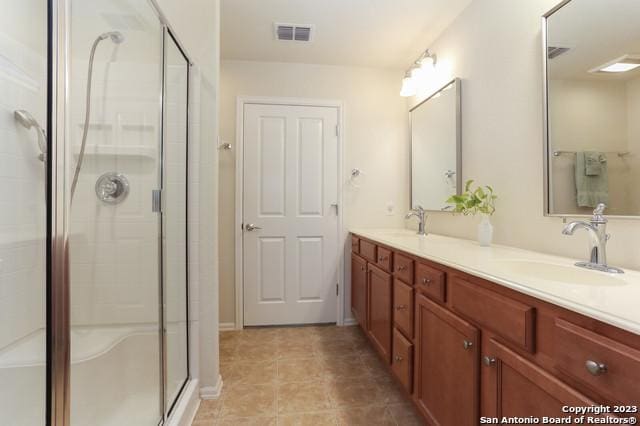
<point>592,104</point>
<point>436,162</point>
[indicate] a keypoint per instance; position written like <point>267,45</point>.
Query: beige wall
<point>494,46</point>
<point>376,126</point>
<point>589,115</point>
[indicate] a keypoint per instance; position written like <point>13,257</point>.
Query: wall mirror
<point>592,107</point>
<point>436,171</point>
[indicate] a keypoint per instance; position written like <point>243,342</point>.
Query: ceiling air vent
<point>555,51</point>
<point>293,32</point>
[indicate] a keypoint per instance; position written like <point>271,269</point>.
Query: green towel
<point>593,163</point>
<point>594,189</point>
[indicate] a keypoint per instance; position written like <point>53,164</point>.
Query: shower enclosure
<point>93,220</point>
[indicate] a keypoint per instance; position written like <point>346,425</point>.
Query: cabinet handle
<point>363,268</point>
<point>401,268</point>
<point>401,307</point>
<point>382,258</point>
<point>595,368</point>
<point>397,358</point>
<point>467,344</point>
<point>488,360</point>
<point>426,281</point>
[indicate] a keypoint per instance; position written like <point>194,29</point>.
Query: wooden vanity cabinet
<point>446,366</point>
<point>359,290</point>
<point>463,347</point>
<point>516,387</point>
<point>379,300</point>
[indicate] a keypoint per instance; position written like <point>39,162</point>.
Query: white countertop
<point>610,298</point>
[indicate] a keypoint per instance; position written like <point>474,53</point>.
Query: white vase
<point>485,231</point>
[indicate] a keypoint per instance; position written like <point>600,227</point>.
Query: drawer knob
<point>397,358</point>
<point>595,368</point>
<point>401,268</point>
<point>382,258</point>
<point>467,344</point>
<point>426,281</point>
<point>401,307</point>
<point>488,360</point>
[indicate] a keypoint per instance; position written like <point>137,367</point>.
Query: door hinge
<point>156,201</point>
<point>337,289</point>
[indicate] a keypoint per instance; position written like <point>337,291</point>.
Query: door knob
<point>251,227</point>
<point>595,368</point>
<point>488,360</point>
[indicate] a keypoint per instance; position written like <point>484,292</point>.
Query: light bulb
<point>428,62</point>
<point>408,87</point>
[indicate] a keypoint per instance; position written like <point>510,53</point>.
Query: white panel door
<point>290,260</point>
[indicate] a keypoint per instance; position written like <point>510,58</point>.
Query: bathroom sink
<point>567,274</point>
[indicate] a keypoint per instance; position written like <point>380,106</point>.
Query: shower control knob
<point>112,188</point>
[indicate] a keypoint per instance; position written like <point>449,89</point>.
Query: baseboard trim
<point>227,326</point>
<point>350,321</point>
<point>187,406</point>
<point>212,392</point>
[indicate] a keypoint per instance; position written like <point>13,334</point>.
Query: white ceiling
<point>371,33</point>
<point>596,32</point>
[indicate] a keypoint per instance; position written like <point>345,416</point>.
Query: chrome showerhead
<point>116,36</point>
<point>28,121</point>
<point>25,118</point>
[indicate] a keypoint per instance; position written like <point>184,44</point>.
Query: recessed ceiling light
<point>622,64</point>
<point>620,67</point>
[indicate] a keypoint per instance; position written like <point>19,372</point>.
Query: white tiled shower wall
<point>114,248</point>
<point>22,185</point>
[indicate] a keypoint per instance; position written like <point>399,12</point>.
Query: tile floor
<point>315,376</point>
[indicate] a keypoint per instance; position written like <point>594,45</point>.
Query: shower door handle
<point>156,201</point>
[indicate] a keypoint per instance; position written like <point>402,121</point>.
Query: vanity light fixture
<point>622,64</point>
<point>408,86</point>
<point>418,74</point>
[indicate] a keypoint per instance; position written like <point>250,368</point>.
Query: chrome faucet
<point>421,214</point>
<point>597,229</point>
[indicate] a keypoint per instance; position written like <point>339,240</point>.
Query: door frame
<point>241,101</point>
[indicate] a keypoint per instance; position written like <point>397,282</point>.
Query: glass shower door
<point>23,211</point>
<point>114,154</point>
<point>175,219</point>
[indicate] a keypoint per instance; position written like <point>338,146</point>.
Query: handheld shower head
<point>28,121</point>
<point>116,36</point>
<point>25,118</point>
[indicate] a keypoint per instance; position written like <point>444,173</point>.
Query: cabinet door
<point>379,290</point>
<point>359,289</point>
<point>513,386</point>
<point>446,366</point>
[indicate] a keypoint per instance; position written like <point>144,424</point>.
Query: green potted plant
<point>473,201</point>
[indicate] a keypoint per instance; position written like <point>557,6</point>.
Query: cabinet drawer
<point>384,259</point>
<point>402,360</point>
<point>403,307</point>
<point>512,320</point>
<point>615,368</point>
<point>403,268</point>
<point>355,244</point>
<point>430,282</point>
<point>368,250</point>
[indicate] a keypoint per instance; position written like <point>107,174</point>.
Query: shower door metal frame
<point>169,36</point>
<point>57,287</point>
<point>58,342</point>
